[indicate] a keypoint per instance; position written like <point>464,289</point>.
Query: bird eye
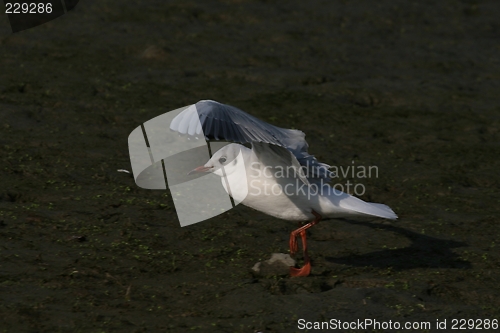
<point>222,160</point>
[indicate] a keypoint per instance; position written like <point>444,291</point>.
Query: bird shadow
<point>424,251</point>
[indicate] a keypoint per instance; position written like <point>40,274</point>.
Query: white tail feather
<point>345,203</point>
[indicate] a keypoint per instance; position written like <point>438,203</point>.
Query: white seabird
<point>280,178</point>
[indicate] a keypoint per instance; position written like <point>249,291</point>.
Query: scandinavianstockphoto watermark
<point>265,180</point>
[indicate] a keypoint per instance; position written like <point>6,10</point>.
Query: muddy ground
<point>409,87</point>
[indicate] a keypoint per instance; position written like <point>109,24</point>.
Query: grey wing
<point>277,156</point>
<point>224,122</point>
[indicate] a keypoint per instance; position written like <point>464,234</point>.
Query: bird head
<point>224,162</point>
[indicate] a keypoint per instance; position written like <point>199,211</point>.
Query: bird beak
<point>200,169</point>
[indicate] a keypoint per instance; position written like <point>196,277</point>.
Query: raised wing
<point>278,156</point>
<point>224,122</point>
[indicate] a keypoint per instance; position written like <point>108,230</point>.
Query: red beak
<point>199,169</point>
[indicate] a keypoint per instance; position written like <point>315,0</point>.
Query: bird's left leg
<point>294,245</point>
<point>302,232</point>
<point>306,269</point>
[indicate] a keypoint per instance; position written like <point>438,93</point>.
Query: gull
<point>279,178</point>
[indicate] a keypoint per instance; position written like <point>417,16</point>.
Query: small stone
<point>282,257</point>
<point>279,264</point>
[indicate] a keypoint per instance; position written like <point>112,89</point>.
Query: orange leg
<point>306,269</point>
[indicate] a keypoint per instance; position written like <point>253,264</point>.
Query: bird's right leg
<point>306,269</point>
<point>294,245</point>
<point>302,232</point>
